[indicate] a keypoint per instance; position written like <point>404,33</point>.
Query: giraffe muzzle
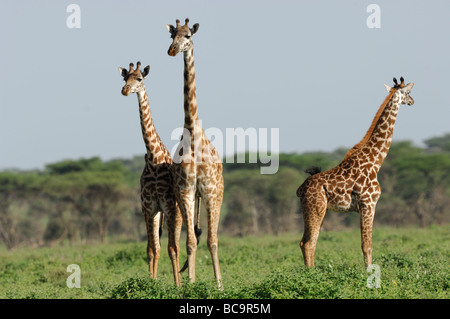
<point>126,90</point>
<point>172,51</point>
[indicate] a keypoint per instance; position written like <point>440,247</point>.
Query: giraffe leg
<point>153,244</point>
<point>174,223</point>
<point>191,247</point>
<point>367,214</point>
<point>313,216</point>
<point>185,199</point>
<point>213,205</point>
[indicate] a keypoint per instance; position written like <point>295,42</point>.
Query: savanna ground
<point>414,264</point>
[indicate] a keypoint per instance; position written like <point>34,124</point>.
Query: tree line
<point>90,200</point>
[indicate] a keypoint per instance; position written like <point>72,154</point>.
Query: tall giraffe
<point>352,185</point>
<point>197,165</point>
<point>157,196</point>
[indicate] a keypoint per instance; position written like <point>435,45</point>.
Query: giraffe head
<point>182,37</point>
<point>402,90</point>
<point>134,79</point>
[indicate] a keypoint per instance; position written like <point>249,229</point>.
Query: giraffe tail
<point>197,229</point>
<point>198,232</point>
<point>313,170</point>
<point>161,223</point>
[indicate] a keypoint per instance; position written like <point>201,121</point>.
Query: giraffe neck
<point>156,151</point>
<point>379,139</point>
<point>190,96</point>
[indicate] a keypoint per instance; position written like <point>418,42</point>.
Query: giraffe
<point>197,165</point>
<point>352,185</point>
<point>157,196</point>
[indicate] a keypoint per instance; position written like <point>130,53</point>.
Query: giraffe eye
<point>139,79</point>
<point>187,36</point>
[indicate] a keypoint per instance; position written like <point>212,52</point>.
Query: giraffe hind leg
<point>197,229</point>
<point>313,215</point>
<point>213,206</point>
<point>174,224</point>
<point>153,243</point>
<point>186,199</point>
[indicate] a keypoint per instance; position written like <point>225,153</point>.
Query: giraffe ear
<point>408,87</point>
<point>388,88</point>
<point>123,72</point>
<point>170,28</point>
<point>194,28</point>
<point>145,72</point>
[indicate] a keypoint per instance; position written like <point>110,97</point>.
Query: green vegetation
<point>413,264</point>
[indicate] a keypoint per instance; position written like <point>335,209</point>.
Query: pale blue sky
<point>312,69</point>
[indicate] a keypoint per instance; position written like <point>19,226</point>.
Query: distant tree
<point>94,164</point>
<point>282,200</point>
<point>16,191</point>
<point>239,219</point>
<point>87,192</point>
<point>441,143</point>
<point>420,178</point>
<point>65,221</point>
<point>260,203</point>
<point>100,196</point>
<point>246,201</point>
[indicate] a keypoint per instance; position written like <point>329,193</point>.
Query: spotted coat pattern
<point>197,165</point>
<point>157,195</point>
<point>352,185</point>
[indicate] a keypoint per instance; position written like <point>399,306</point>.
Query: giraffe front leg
<point>367,214</point>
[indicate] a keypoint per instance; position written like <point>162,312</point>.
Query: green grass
<point>413,264</point>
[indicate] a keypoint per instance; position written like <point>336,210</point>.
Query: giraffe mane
<point>372,126</point>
